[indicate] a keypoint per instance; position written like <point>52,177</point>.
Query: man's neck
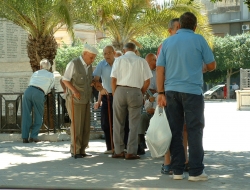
<point>111,63</point>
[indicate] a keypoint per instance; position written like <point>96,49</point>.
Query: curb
<point>48,137</point>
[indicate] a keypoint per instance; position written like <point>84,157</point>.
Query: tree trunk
<point>229,73</point>
<point>39,48</point>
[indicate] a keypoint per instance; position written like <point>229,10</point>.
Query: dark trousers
<point>105,121</point>
<point>192,107</point>
<point>105,118</point>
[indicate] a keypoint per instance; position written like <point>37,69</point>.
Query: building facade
<point>228,17</point>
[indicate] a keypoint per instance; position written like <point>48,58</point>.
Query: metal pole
<point>110,125</point>
<point>73,124</point>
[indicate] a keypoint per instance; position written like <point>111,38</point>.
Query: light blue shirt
<point>152,84</point>
<point>43,79</point>
<point>183,55</point>
<point>103,70</point>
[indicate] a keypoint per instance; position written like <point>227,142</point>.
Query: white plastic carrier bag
<point>158,135</point>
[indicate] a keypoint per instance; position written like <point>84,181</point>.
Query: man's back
<point>185,53</point>
<point>131,70</point>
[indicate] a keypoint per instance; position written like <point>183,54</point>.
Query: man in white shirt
<point>235,86</point>
<point>77,79</point>
<point>41,83</point>
<point>130,79</point>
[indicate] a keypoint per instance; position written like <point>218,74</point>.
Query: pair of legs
<point>82,126</point>
<point>192,107</point>
<point>143,127</point>
<point>125,100</point>
<point>33,98</point>
<point>167,157</point>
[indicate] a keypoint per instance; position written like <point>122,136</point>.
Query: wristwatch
<point>161,92</point>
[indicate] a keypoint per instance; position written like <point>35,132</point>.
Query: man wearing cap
<point>77,79</point>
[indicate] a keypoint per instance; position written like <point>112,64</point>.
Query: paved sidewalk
<point>49,165</point>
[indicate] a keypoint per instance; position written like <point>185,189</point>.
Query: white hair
<point>45,64</point>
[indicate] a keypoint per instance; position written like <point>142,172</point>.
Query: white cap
<point>90,49</point>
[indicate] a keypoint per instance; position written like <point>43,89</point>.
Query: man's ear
<point>194,28</point>
<point>169,30</point>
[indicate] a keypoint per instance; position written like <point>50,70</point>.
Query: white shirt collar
<point>130,52</point>
<point>83,62</point>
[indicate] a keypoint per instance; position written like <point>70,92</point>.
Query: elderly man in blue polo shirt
<point>180,79</point>
<point>103,70</point>
<point>40,84</point>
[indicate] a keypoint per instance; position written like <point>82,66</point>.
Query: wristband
<point>161,92</point>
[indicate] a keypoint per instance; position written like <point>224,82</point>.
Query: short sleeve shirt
<point>183,55</point>
<point>103,70</point>
<point>131,70</point>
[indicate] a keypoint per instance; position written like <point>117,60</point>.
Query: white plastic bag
<point>158,136</point>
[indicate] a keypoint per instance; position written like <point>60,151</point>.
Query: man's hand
<point>97,105</point>
<point>151,99</point>
<point>151,110</point>
<point>162,102</point>
<point>77,94</point>
<point>97,85</point>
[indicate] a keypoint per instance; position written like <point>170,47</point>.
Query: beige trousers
<point>82,125</point>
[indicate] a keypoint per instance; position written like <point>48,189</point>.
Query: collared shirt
<point>153,81</point>
<point>235,87</point>
<point>103,70</point>
<point>70,69</point>
<point>43,79</point>
<point>131,70</point>
<point>183,55</point>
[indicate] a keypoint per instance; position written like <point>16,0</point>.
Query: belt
<point>127,86</point>
<point>37,88</point>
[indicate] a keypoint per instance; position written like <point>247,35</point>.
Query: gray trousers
<point>126,99</point>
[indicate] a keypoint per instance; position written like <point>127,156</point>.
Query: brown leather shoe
<point>132,157</point>
<point>121,155</point>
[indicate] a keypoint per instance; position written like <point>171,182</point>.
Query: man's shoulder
<point>76,59</point>
<point>102,62</point>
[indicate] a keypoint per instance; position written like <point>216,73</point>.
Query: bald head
<point>151,59</point>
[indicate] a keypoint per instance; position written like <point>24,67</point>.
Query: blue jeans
<point>33,98</point>
<point>190,106</point>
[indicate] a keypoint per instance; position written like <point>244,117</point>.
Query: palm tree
<point>41,19</point>
<point>124,20</point>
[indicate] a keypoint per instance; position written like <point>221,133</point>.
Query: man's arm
<point>145,86</point>
<point>72,88</point>
<point>113,85</point>
<point>98,86</point>
<point>209,67</point>
<point>160,77</point>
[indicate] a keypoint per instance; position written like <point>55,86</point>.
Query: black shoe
<point>33,140</point>
<point>25,141</point>
<point>166,169</point>
<point>140,150</point>
<point>86,154</point>
<point>77,155</point>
